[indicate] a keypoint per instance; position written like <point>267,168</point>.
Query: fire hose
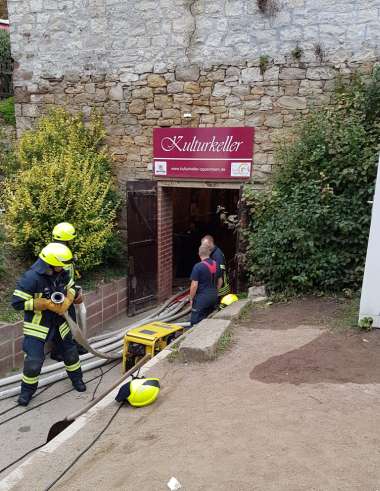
<point>58,298</point>
<point>169,311</point>
<point>108,341</point>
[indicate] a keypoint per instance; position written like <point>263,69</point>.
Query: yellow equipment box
<point>148,339</point>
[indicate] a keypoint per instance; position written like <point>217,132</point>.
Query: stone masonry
<point>146,63</point>
<point>222,95</point>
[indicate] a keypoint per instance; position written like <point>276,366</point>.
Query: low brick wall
<point>103,304</point>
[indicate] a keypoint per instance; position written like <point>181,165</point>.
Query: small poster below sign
<point>240,169</point>
<point>203,153</point>
<point>160,168</point>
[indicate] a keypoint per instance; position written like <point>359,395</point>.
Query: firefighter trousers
<point>35,356</point>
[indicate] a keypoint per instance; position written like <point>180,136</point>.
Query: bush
<point>8,163</point>
<point>7,110</point>
<point>309,232</point>
<point>64,175</point>
<point>2,243</point>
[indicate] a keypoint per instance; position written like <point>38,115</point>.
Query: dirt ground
<point>289,406</point>
<point>336,356</point>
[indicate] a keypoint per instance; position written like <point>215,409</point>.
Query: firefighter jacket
<point>35,283</point>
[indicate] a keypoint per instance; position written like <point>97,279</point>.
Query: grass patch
<point>242,295</point>
<point>104,274</point>
<point>173,355</point>
<point>224,342</point>
<point>246,312</point>
<point>14,266</point>
<point>7,313</point>
<point>7,110</point>
<point>347,317</point>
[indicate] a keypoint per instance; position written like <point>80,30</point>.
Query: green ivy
<point>309,232</point>
<point>5,46</point>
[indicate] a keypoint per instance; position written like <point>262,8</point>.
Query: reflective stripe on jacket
<point>218,256</point>
<point>36,284</point>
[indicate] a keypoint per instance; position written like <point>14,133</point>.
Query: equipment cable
<point>22,456</point>
<point>42,444</point>
<point>44,389</point>
<point>54,397</point>
<point>93,396</point>
<point>99,382</point>
<point>85,450</point>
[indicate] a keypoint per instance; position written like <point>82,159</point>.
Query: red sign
<point>203,153</point>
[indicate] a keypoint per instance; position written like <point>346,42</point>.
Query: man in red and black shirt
<point>206,278</point>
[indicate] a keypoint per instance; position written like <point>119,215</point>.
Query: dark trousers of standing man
<point>203,305</point>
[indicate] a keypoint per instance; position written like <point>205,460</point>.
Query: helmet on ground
<point>228,300</point>
<point>64,231</point>
<point>56,254</point>
<point>139,391</point>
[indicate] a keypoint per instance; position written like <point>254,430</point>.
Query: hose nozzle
<point>57,297</point>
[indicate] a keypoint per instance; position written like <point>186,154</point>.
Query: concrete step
<point>233,311</point>
<point>201,344</point>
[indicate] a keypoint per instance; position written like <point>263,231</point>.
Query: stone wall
<point>269,99</point>
<point>107,302</point>
<point>146,63</point>
<point>101,36</point>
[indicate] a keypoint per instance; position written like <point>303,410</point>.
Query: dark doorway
<point>195,215</point>
<point>142,244</point>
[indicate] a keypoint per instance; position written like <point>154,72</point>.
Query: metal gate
<point>142,245</point>
<point>6,86</point>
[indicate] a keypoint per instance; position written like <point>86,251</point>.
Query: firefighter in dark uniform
<point>43,319</point>
<point>64,233</point>
<point>217,255</point>
<point>206,278</point>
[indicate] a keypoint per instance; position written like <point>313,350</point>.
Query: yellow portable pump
<point>148,339</point>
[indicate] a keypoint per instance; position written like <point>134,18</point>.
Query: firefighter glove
<point>61,308</point>
<point>41,304</point>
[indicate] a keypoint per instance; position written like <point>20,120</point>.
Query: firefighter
<point>217,255</point>
<point>206,278</point>
<point>64,233</point>
<point>43,319</point>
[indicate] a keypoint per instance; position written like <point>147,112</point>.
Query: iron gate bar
<point>142,244</point>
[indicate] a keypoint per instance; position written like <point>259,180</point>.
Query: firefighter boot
<point>79,385</point>
<point>24,398</point>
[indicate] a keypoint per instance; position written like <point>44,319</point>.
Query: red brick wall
<point>165,244</point>
<point>105,303</point>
